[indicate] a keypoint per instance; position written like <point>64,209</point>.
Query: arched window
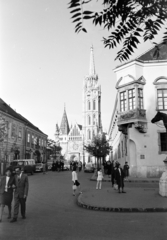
<point>89,106</point>
<point>94,104</point>
<point>89,120</point>
<point>94,119</point>
<point>89,134</point>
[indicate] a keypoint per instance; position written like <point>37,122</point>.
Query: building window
<point>13,130</point>
<point>94,119</point>
<point>163,142</point>
<point>162,99</point>
<point>89,107</point>
<point>20,133</point>
<point>94,104</point>
<point>140,98</point>
<point>123,101</point>
<point>131,98</point>
<point>89,134</point>
<point>89,120</point>
<point>28,137</point>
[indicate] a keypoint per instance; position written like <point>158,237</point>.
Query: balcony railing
<point>136,116</point>
<point>132,116</point>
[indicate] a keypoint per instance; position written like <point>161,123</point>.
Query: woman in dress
<point>99,179</point>
<point>76,184</point>
<point>7,184</point>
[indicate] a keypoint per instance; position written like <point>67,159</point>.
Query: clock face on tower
<point>75,146</point>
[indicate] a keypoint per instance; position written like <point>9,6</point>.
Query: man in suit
<point>20,194</point>
<point>7,183</point>
<point>119,176</point>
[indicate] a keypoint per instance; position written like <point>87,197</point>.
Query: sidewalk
<point>143,197</point>
<point>130,179</point>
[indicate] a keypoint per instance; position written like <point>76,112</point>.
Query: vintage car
<point>27,165</point>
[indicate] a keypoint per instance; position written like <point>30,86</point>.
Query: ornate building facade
<point>141,92</point>
<point>72,139</point>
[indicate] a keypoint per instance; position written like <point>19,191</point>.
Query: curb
<point>118,210</point>
<point>130,181</point>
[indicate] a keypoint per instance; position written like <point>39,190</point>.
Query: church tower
<point>63,133</point>
<point>91,102</point>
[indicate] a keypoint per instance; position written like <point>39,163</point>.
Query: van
<point>27,165</point>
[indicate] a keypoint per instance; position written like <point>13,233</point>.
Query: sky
<point>43,62</point>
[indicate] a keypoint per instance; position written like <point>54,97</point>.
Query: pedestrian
<point>58,165</point>
<point>126,170</point>
<point>76,184</point>
<point>119,175</point>
<point>108,168</point>
<point>7,184</point>
<point>53,166</point>
<point>113,169</point>
<point>44,168</point>
<point>84,165</point>
<point>80,166</point>
<point>20,194</point>
<point>62,165</point>
<point>99,179</point>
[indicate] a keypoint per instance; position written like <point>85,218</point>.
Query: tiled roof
<point>80,126</point>
<point>4,107</point>
<point>150,56</point>
<point>64,127</point>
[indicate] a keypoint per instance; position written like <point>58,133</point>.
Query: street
<point>52,213</point>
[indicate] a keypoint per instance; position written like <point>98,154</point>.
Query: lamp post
<point>97,154</point>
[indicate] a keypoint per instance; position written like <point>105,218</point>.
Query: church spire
<point>92,63</point>
<point>64,127</point>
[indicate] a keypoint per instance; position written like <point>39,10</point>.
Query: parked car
<point>39,167</point>
<point>27,165</point>
<point>89,168</point>
<point>66,165</point>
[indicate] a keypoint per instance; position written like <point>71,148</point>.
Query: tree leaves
<point>99,147</point>
<point>128,21</point>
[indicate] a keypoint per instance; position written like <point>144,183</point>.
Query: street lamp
<point>97,148</point>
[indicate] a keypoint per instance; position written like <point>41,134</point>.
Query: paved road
<point>52,214</point>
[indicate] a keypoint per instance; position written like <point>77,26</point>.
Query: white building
<point>141,92</point>
<point>72,139</point>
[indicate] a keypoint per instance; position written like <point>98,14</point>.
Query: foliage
<point>128,21</point>
<point>51,144</point>
<point>99,146</point>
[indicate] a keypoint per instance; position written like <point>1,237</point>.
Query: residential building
<point>19,138</point>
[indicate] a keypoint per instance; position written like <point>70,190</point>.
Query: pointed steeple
<point>64,127</point>
<point>57,129</point>
<point>92,63</point>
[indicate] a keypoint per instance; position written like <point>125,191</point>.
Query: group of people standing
<point>117,175</point>
<point>13,185</point>
<point>58,166</point>
<point>76,164</point>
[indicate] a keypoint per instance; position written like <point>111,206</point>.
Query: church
<point>72,139</point>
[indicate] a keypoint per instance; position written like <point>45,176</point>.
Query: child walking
<point>99,179</point>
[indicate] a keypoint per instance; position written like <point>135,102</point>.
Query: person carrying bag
<point>76,184</point>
